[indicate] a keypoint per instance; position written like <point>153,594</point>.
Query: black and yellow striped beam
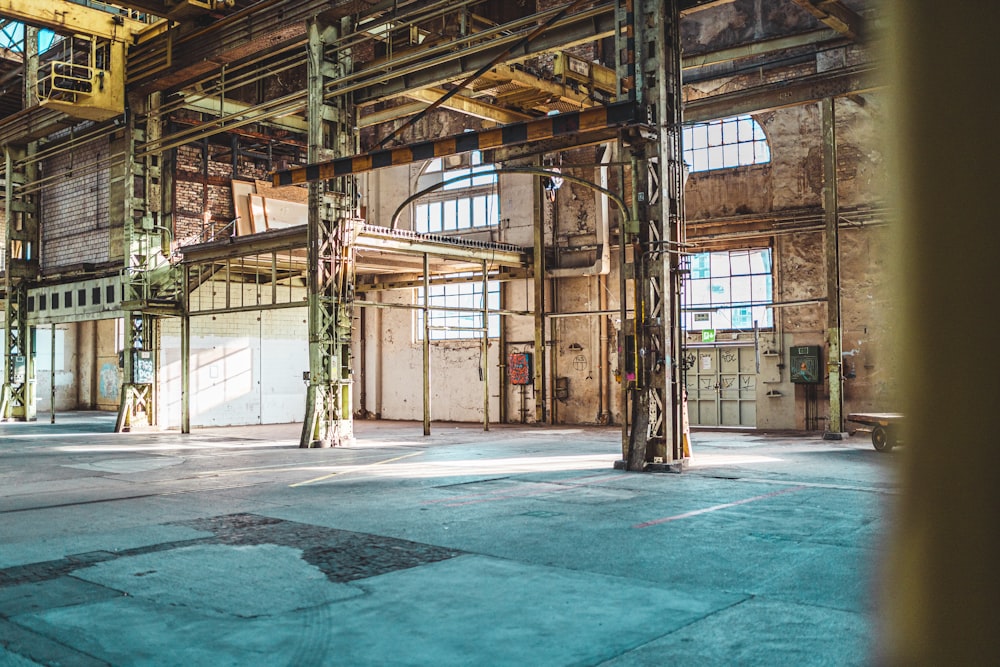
<point>548,127</point>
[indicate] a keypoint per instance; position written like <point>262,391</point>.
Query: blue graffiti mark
<point>108,381</point>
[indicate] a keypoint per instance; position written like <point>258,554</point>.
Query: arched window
<point>721,144</point>
<point>462,205</point>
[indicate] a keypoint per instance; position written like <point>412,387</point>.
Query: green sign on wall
<point>708,335</point>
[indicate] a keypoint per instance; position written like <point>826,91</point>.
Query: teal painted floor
<point>517,546</point>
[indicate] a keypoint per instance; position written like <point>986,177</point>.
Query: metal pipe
<point>484,363</point>
<point>427,348</point>
<point>186,357</point>
<point>52,377</point>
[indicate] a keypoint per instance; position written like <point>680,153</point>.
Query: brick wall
<point>74,208</point>
<point>202,185</point>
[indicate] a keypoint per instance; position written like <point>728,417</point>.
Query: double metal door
<point>722,386</point>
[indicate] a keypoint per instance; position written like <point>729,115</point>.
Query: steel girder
<point>650,73</point>
<point>149,282</point>
<point>17,397</point>
<point>331,253</point>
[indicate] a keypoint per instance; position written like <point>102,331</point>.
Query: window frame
<point>725,143</point>
<point>446,300</point>
<point>462,206</point>
<point>728,290</point>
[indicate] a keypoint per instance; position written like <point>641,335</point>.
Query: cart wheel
<point>882,439</point>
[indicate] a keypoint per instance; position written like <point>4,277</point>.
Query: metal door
<point>722,386</point>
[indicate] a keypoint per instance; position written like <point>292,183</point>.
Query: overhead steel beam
<point>619,114</point>
<point>758,48</point>
<point>788,93</point>
<point>586,26</point>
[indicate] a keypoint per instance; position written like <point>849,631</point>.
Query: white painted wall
<point>246,368</point>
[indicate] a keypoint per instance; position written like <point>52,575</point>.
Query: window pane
<point>434,217</point>
<point>760,261</point>
<point>699,136</point>
<point>746,154</point>
<point>699,161</point>
<point>420,224</point>
<point>464,213</point>
<point>493,209</point>
<point>715,160</point>
<point>739,262</point>
<point>742,318</point>
<point>714,134</point>
<point>761,152</point>
<point>699,293</point>
<point>450,215</point>
<point>746,128</point>
<point>700,267</point>
<point>720,264</point>
<point>729,132</point>
<point>731,155</point>
<point>740,286</point>
<point>761,289</point>
<point>720,290</point>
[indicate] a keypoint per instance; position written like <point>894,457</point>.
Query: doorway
<point>722,386</point>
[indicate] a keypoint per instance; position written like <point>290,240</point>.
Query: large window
<point>720,144</point>
<point>465,204</point>
<point>729,290</point>
<point>464,323</point>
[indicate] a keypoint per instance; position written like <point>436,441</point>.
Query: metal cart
<point>884,427</point>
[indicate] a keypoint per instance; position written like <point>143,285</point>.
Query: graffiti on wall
<point>107,382</point>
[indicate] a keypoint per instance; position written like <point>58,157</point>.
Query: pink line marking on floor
<point>509,495</point>
<point>715,508</point>
<point>506,493</point>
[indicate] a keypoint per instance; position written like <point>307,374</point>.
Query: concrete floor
<point>517,546</point>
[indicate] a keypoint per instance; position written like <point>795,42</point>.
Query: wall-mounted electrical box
<point>805,364</point>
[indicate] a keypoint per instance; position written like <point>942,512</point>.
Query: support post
<point>538,284</point>
<point>17,397</point>
<point>427,348</point>
<point>331,281</point>
<point>186,356</point>
<point>651,35</point>
<point>151,285</point>
<point>831,217</point>
<point>484,363</point>
<point>52,375</point>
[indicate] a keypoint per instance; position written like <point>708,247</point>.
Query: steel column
<point>655,438</point>
<point>831,218</point>
<point>331,232</point>
<point>427,347</point>
<point>147,276</point>
<point>17,397</point>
